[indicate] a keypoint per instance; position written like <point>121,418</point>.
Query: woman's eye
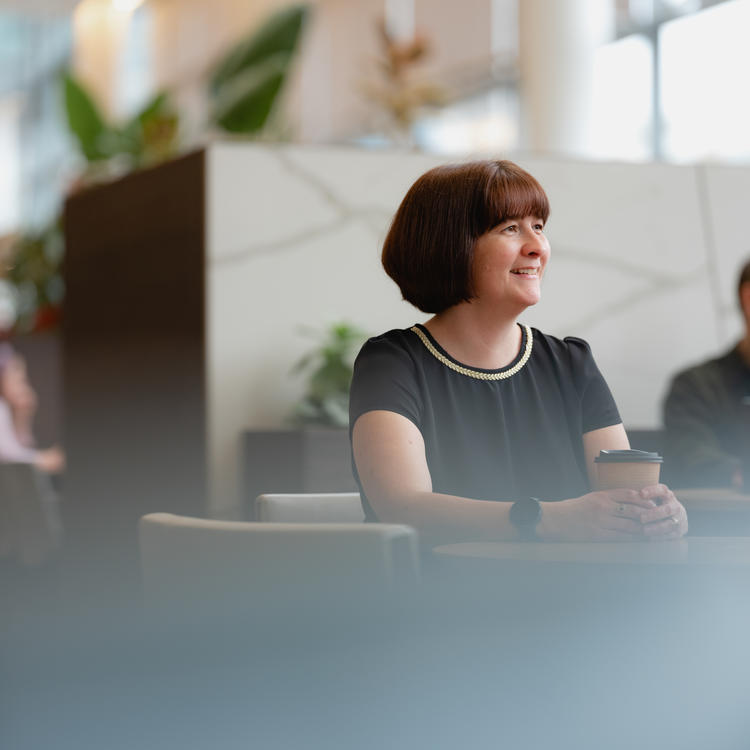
<point>539,227</point>
<point>511,228</point>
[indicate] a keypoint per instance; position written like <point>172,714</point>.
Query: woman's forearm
<point>436,514</point>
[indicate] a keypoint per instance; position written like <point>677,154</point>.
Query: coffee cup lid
<point>627,456</point>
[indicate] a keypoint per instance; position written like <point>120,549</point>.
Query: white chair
<point>330,507</point>
<point>199,560</point>
<point>30,528</point>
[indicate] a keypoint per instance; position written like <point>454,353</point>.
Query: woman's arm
<point>390,456</point>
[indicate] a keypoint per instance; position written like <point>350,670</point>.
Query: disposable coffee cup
<point>629,469</point>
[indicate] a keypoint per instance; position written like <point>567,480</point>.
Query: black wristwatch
<point>525,515</point>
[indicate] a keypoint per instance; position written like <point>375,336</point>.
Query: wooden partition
<point>134,341</point>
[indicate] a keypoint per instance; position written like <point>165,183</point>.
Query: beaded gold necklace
<point>478,374</point>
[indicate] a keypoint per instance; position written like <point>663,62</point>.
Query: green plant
<point>242,90</point>
<point>147,138</point>
<point>245,84</point>
<point>329,375</point>
<point>32,269</point>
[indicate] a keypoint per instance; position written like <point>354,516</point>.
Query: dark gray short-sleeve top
<point>490,434</point>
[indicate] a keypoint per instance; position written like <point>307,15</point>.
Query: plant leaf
<point>244,104</point>
<point>280,33</point>
<point>84,119</point>
<point>155,109</point>
<point>152,132</point>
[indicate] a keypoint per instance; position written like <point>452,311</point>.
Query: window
<point>10,174</point>
<point>623,99</point>
<point>703,70</point>
<point>33,144</point>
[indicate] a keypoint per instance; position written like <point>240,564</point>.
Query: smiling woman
<point>474,426</point>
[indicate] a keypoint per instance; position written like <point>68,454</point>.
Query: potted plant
<point>314,455</point>
<point>329,375</point>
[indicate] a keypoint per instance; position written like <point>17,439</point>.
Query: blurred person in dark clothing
<point>707,415</point>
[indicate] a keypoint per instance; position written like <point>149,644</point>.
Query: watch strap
<point>525,515</point>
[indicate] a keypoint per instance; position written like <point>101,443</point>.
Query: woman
<point>474,407</point>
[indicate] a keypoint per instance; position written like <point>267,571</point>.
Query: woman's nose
<point>534,243</point>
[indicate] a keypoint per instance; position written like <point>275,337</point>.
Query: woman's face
<point>509,261</point>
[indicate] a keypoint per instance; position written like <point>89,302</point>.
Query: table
<point>716,511</point>
<point>693,551</point>
<point>707,499</point>
<point>548,575</point>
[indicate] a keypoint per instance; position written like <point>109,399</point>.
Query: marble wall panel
<point>577,292</point>
<point>254,205</point>
<point>368,182</point>
<point>640,219</point>
<point>294,238</point>
<point>726,191</point>
<point>260,305</point>
<point>640,346</point>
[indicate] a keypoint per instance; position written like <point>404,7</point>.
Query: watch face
<point>525,513</point>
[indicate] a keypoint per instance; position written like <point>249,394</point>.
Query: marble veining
<point>648,280</point>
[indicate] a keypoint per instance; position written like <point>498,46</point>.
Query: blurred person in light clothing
<point>18,404</point>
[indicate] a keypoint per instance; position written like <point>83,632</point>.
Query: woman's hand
<point>668,520</point>
<point>614,516</point>
<point>51,461</point>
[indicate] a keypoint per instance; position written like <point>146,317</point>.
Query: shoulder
<point>398,343</point>
<point>394,353</point>
<point>396,337</point>
<point>568,349</point>
<point>707,372</point>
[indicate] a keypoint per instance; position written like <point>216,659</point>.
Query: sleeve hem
<point>400,412</point>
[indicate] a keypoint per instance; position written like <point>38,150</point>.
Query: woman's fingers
<point>628,497</point>
<point>629,510</point>
<point>659,493</point>
<point>673,527</point>
<point>661,512</point>
<point>667,521</point>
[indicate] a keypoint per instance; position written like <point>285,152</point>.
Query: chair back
<point>30,528</point>
<point>329,507</point>
<point>203,560</point>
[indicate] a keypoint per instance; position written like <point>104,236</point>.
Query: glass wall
<point>33,144</point>
<point>703,70</point>
<point>669,87</point>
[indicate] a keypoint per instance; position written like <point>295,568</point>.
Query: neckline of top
<point>437,351</point>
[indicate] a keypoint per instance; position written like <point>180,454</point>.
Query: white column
<point>558,41</point>
<point>399,19</point>
<point>100,30</point>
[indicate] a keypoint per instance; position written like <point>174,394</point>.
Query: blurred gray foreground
<point>535,657</point>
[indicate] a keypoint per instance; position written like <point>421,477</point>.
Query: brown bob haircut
<point>429,249</point>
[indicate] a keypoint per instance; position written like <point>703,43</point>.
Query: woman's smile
<point>529,273</point>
